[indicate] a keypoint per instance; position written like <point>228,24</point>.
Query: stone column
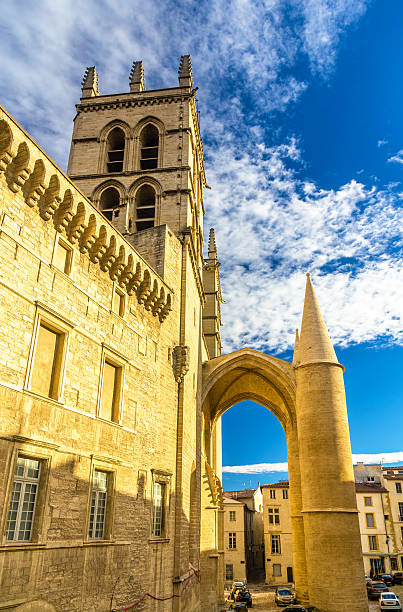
<point>332,537</point>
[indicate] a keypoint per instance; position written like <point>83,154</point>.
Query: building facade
<point>237,538</point>
<point>378,501</point>
<point>277,533</point>
<point>112,383</point>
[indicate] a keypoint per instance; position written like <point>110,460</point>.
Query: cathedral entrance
<point>307,397</point>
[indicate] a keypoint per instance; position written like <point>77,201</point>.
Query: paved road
<point>263,598</point>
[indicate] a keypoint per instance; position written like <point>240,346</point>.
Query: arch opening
<point>115,150</point>
<point>109,202</point>
<point>145,207</point>
<point>149,145</point>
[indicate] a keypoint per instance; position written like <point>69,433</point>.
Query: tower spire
<point>295,359</point>
<point>315,344</point>
<point>137,77</point>
<point>89,84</point>
<point>185,72</point>
<point>212,249</point>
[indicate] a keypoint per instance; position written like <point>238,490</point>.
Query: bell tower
<point>139,156</point>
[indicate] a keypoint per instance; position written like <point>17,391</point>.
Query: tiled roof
<point>369,487</point>
<point>282,484</point>
<point>239,494</point>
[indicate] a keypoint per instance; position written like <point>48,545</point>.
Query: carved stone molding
<point>180,362</point>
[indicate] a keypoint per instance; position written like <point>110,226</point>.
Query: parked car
<point>397,577</point>
<point>375,588</point>
<point>238,606</point>
<point>284,596</point>
<point>235,587</point>
<point>295,608</point>
<point>244,596</point>
<point>389,600</point>
<point>386,578</point>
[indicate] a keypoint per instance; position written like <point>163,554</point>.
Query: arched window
<point>109,201</point>
<point>149,141</point>
<point>115,150</point>
<point>145,208</point>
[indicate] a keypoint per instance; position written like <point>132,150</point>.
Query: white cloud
<point>382,142</point>
<point>398,158</point>
<point>268,468</point>
<point>271,228</point>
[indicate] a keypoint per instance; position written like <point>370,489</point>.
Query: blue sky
<point>301,112</point>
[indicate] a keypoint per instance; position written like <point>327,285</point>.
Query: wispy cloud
<point>272,227</point>
<point>398,158</point>
<point>382,142</point>
<point>269,468</point>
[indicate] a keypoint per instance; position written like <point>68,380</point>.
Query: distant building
<point>277,533</point>
<point>379,492</point>
<point>251,538</point>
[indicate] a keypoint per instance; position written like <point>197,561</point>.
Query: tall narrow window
<point>115,150</point>
<point>232,515</point>
<point>276,569</point>
<point>158,509</point>
<point>398,487</point>
<point>109,202</point>
<point>367,501</point>
<point>274,516</point>
<point>145,208</point>
<point>400,511</point>
<point>372,543</point>
<point>47,363</point>
<point>275,544</point>
<point>118,302</point>
<point>229,571</point>
<point>149,143</point>
<point>369,517</point>
<point>98,505</point>
<point>23,500</point>
<point>272,493</point>
<point>232,540</point>
<point>62,257</point>
<point>285,493</point>
<point>110,391</point>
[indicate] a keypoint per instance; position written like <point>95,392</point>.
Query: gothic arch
<point>103,140</point>
<point>137,131</point>
<point>133,190</point>
<point>227,380</point>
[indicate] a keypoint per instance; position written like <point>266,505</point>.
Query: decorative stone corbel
<point>180,362</point>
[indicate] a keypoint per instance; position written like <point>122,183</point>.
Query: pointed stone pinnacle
<point>314,343</point>
<point>295,359</point>
<point>89,84</point>
<point>212,249</point>
<point>137,76</point>
<point>185,72</point>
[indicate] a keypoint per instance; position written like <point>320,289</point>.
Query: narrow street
<point>263,598</point>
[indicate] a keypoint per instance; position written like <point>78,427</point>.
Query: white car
<point>389,601</point>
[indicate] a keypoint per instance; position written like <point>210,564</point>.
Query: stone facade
<point>237,532</point>
<point>113,386</point>
<point>277,534</point>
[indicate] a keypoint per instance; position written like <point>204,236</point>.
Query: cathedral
<point>112,381</point>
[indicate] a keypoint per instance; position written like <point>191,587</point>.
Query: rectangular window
<point>232,515</point>
<point>274,516</point>
<point>229,571</point>
<point>276,569</point>
<point>377,566</point>
<point>232,540</point>
<point>63,256</point>
<point>398,487</point>
<point>285,493</point>
<point>275,544</point>
<point>369,517</point>
<point>110,391</point>
<point>372,542</point>
<point>118,302</point>
<point>272,493</point>
<point>98,505</point>
<point>393,564</point>
<point>158,509</point>
<point>367,501</point>
<point>23,499</point>
<point>47,361</point>
<point>400,511</point>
